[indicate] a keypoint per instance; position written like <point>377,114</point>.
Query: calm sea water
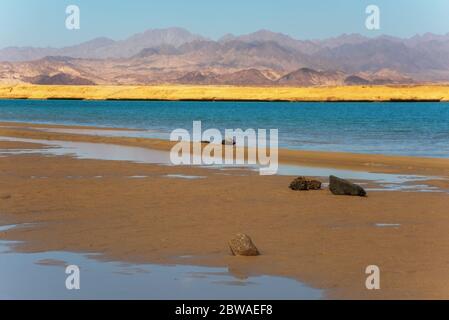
<point>417,129</point>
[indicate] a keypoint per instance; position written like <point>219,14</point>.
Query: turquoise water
<point>416,129</point>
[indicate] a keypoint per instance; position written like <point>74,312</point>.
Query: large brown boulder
<point>343,187</point>
<point>303,184</point>
<point>242,245</point>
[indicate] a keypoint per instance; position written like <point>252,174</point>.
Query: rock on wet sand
<point>242,245</point>
<point>302,184</point>
<point>343,187</point>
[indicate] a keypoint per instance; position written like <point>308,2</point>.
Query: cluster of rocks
<point>242,245</point>
<point>337,186</point>
<point>225,142</point>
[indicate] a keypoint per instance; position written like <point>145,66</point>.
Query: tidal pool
<point>43,276</point>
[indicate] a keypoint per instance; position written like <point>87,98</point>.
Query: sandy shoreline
<point>323,240</point>
<point>228,93</point>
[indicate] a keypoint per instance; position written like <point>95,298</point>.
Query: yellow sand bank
<point>179,92</point>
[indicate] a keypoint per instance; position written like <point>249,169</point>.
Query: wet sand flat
<point>322,240</point>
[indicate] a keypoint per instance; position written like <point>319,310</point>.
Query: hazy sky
<point>42,22</point>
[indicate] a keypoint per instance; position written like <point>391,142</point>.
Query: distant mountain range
<point>263,58</point>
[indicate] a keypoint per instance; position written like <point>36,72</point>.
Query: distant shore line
<point>412,93</point>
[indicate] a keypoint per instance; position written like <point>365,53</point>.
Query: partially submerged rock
<point>242,245</point>
<point>343,187</point>
<point>225,142</point>
<point>303,184</point>
<point>229,142</point>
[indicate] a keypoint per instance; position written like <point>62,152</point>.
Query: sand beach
<point>152,213</point>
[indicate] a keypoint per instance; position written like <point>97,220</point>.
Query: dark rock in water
<point>229,142</point>
<point>242,245</point>
<point>343,187</point>
<point>303,184</point>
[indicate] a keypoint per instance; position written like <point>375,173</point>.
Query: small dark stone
<point>242,245</point>
<point>343,187</point>
<point>229,142</point>
<point>303,184</point>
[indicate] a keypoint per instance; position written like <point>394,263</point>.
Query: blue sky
<point>42,22</point>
